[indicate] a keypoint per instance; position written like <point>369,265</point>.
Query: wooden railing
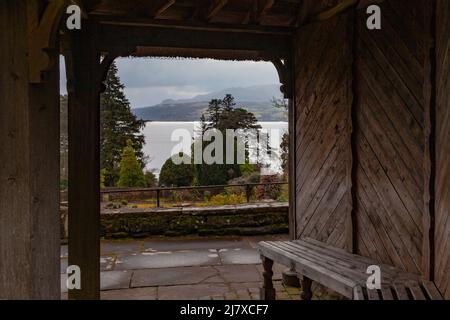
<point>248,189</point>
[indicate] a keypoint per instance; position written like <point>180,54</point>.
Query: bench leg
<point>306,293</point>
<point>267,291</point>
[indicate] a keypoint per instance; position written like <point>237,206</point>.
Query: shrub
<point>227,198</point>
<point>284,195</point>
<point>151,179</point>
<point>173,175</point>
<point>269,192</point>
<point>63,184</point>
<point>131,174</point>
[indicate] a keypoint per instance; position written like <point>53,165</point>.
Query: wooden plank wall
<point>323,102</point>
<point>390,138</point>
<point>388,77</point>
<point>442,234</point>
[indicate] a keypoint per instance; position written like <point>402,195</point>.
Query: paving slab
<point>107,263</point>
<point>130,294</point>
<point>169,259</point>
<point>110,280</point>
<point>172,276</point>
<point>166,269</point>
<point>239,273</point>
<point>214,279</point>
<point>118,247</point>
<point>192,292</point>
<point>153,246</point>
<point>249,286</point>
<point>240,256</point>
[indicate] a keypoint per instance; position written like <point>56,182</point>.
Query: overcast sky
<point>149,81</point>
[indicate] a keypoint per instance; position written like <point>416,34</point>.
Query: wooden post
<point>158,194</point>
<point>248,191</point>
<point>83,67</point>
<point>267,291</point>
<point>29,165</point>
<point>306,293</point>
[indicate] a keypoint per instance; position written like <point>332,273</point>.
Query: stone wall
<point>248,219</point>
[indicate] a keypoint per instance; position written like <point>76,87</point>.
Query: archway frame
<point>38,27</point>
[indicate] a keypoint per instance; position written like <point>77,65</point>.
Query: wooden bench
<point>340,271</point>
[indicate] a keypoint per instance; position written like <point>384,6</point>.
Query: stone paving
<point>182,269</point>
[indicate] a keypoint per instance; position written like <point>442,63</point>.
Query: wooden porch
<point>369,122</point>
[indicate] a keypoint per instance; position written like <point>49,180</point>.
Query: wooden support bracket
<point>42,35</point>
<point>284,69</point>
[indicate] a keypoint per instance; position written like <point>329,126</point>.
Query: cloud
<point>149,81</point>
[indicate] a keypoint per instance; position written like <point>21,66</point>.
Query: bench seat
<point>343,272</point>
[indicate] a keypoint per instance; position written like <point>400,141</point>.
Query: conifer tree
<point>222,115</point>
<point>118,125</point>
<point>131,174</point>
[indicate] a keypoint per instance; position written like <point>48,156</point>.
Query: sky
<point>149,81</point>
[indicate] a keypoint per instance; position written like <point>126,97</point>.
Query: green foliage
<point>284,195</point>
<point>207,196</point>
<point>173,175</point>
<point>282,104</point>
<point>215,174</point>
<point>222,115</point>
<point>118,125</point>
<point>176,196</point>
<point>63,184</point>
<point>284,156</point>
<point>249,169</point>
<point>131,174</point>
<point>151,179</point>
<point>102,178</point>
<point>226,198</point>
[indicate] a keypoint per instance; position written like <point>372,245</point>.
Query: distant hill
<point>256,99</point>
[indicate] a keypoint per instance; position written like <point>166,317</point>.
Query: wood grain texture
<point>391,136</point>
<point>442,232</point>
<point>323,104</point>
<point>343,272</point>
<point>29,167</point>
<point>83,68</point>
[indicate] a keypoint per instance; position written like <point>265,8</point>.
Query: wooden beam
<point>329,13</point>
<point>29,166</point>
<point>260,9</point>
<point>306,15</point>
<point>83,73</point>
<point>114,37</point>
<point>190,25</point>
<point>161,7</point>
<point>214,8</point>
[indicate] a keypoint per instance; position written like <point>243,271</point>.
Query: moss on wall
<point>253,219</point>
<point>227,220</point>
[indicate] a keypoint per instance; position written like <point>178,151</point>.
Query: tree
<point>222,115</point>
<point>131,174</point>
<point>177,175</point>
<point>151,179</point>
<point>118,125</point>
<point>281,103</point>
